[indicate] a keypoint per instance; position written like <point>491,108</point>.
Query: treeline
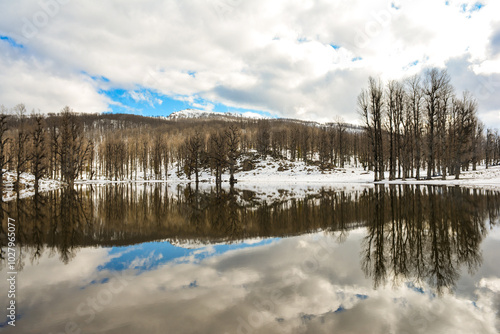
<point>409,125</point>
<point>421,123</point>
<point>69,146</point>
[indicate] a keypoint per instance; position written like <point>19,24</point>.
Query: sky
<point>305,59</point>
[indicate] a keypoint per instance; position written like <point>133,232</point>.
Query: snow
<point>199,114</point>
<point>270,182</point>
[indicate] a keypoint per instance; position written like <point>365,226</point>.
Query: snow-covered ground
<point>272,177</point>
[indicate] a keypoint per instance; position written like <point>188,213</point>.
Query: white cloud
<point>273,56</point>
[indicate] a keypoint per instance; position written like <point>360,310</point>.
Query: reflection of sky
<point>309,284</point>
<point>150,255</point>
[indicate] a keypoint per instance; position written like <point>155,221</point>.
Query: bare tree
<point>194,146</point>
<point>340,131</point>
<point>489,148</point>
<point>39,153</point>
<point>218,155</point>
<point>391,125</point>
<point>324,148</point>
<point>165,157</point>
<point>443,111</point>
<point>73,146</point>
<point>415,95</point>
<point>370,104</point>
<point>4,159</point>
<point>233,140</point>
<point>463,124</point>
<point>156,153</point>
<point>435,82</point>
<point>263,137</point>
<point>21,139</point>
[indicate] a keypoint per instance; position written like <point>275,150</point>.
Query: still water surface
<point>155,259</point>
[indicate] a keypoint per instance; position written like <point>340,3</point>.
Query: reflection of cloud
<point>296,284</point>
<point>150,255</point>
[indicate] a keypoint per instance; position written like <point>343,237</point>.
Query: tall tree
<point>4,139</point>
<point>73,146</point>
<point>218,155</point>
<point>194,147</point>
<point>463,124</point>
<point>370,104</point>
<point>340,151</point>
<point>157,157</point>
<point>415,96</point>
<point>391,125</point>
<point>38,153</point>
<point>435,82</point>
<point>263,137</point>
<point>21,140</point>
<point>233,140</point>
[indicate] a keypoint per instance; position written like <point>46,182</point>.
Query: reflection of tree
<point>426,233</point>
<point>234,228</point>
<point>72,223</point>
<point>3,231</point>
<point>428,237</point>
<point>38,218</point>
<point>374,261</point>
<point>193,206</point>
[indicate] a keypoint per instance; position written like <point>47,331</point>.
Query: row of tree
<point>421,123</point>
<point>31,144</point>
<point>409,125</point>
<point>68,146</point>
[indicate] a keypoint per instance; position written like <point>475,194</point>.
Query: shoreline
<point>268,178</point>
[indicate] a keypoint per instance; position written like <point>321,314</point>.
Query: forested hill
<point>70,146</point>
<point>408,126</point>
<point>187,117</point>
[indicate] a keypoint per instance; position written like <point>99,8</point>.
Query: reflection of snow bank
<point>295,179</point>
<point>27,182</point>
<point>196,244</point>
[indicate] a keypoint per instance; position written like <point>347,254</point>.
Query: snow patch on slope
<point>200,114</point>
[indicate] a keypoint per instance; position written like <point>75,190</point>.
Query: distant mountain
<point>204,114</point>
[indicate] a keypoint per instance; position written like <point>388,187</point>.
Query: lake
<point>155,258</point>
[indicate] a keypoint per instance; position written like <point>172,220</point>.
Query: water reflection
<point>426,233</point>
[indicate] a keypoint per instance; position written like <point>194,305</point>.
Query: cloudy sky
<point>286,58</point>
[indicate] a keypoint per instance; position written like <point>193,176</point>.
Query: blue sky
<point>147,102</point>
<point>150,255</point>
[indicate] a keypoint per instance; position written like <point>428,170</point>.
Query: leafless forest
<point>419,123</point>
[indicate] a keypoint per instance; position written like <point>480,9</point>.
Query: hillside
<point>197,114</point>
